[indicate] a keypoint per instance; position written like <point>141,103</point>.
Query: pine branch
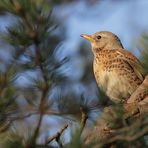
<point>135,117</point>
<point>31,32</point>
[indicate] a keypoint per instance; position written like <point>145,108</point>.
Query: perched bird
<point>117,71</point>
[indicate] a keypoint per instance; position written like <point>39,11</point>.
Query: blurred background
<point>73,84</point>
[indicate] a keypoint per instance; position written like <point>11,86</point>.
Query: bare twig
<point>57,136</point>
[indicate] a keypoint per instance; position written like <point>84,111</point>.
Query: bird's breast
<point>101,75</point>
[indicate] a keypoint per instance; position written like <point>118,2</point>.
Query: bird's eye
<point>98,37</point>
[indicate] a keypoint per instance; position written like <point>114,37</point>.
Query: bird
<point>117,71</point>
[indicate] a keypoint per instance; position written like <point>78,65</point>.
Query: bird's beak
<point>87,37</point>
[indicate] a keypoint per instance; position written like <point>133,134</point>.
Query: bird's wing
<point>132,61</point>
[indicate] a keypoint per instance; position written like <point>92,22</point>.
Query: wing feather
<point>132,61</point>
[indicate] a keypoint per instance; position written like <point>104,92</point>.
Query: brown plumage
<point>117,71</point>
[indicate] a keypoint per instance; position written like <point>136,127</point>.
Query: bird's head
<point>103,40</point>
